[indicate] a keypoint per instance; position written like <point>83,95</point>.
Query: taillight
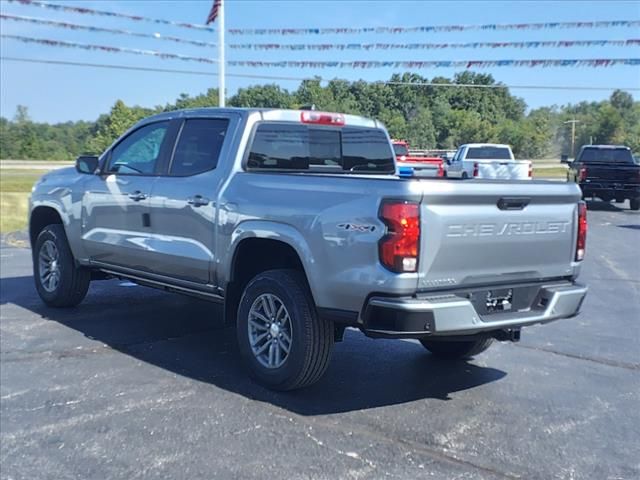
<point>440,170</point>
<point>322,118</point>
<point>581,242</point>
<point>400,246</point>
<point>475,169</point>
<point>582,174</point>
<point>530,170</point>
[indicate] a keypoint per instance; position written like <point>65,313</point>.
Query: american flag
<point>213,14</point>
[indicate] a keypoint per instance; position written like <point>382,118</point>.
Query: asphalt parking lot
<point>137,383</point>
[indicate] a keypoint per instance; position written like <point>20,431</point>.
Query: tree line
<point>426,116</point>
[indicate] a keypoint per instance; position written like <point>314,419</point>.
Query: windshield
<point>606,155</point>
<point>488,153</point>
<point>400,149</point>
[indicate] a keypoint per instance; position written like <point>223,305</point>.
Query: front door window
<point>138,153</point>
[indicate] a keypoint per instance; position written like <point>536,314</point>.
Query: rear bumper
<point>613,190</point>
<point>454,314</point>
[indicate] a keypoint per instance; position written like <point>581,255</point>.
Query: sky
<point>56,93</point>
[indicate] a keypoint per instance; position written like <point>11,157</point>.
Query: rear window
<point>334,150</point>
<point>610,155</point>
<point>400,150</point>
<point>488,153</point>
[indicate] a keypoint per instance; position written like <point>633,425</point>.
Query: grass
<point>15,187</point>
<point>552,172</point>
<point>13,211</point>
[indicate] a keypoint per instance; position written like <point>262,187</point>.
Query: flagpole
<point>221,65</point>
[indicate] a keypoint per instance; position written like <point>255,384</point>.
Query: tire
<point>310,337</point>
<point>66,284</point>
<point>465,175</point>
<point>634,203</point>
<point>455,350</point>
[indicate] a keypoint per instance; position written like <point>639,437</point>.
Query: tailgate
<point>423,169</point>
<point>612,173</point>
<point>467,239</point>
<point>503,169</point>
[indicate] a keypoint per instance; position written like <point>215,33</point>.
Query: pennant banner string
<point>89,28</point>
<point>104,13</point>
<point>603,62</point>
<point>434,28</point>
<point>331,46</point>
<point>337,30</point>
<point>583,62</point>
<point>104,48</point>
<point>434,46</point>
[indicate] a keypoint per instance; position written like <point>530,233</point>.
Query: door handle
<point>198,201</point>
<point>137,196</point>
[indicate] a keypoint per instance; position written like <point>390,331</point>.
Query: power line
<point>287,78</point>
<point>90,28</point>
<point>104,13</point>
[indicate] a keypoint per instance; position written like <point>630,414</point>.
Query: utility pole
<point>221,65</point>
<point>573,136</point>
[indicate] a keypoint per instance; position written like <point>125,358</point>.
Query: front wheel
<point>453,350</point>
<point>634,204</point>
<point>282,340</point>
<point>59,282</point>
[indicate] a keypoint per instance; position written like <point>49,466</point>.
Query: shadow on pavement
<point>600,206</point>
<point>632,227</point>
<point>186,336</point>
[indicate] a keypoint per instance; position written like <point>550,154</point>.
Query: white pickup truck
<point>487,160</point>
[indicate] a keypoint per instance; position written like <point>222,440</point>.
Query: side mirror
<point>448,161</point>
<point>87,164</point>
<point>564,159</point>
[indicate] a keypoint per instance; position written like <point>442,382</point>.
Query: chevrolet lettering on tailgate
<point>509,228</point>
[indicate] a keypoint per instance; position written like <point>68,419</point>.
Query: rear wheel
<point>634,204</point>
<point>456,349</point>
<point>281,338</point>
<point>59,282</point>
<point>464,175</point>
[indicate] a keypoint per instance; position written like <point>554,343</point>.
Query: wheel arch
<point>41,216</point>
<point>259,247</point>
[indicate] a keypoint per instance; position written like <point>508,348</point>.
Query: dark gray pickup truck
<point>299,224</point>
<point>608,172</point>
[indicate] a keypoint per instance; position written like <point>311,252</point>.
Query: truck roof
<point>499,145</point>
<point>607,147</point>
<point>273,114</point>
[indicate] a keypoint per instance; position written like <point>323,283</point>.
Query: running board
<point>212,297</point>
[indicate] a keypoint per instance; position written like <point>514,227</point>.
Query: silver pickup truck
<point>297,222</point>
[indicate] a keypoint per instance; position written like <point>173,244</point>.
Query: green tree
<point>204,100</point>
<point>262,96</point>
<point>425,115</point>
<point>110,127</point>
<point>421,132</point>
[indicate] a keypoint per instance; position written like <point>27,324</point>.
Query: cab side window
<point>198,146</point>
<point>137,154</point>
